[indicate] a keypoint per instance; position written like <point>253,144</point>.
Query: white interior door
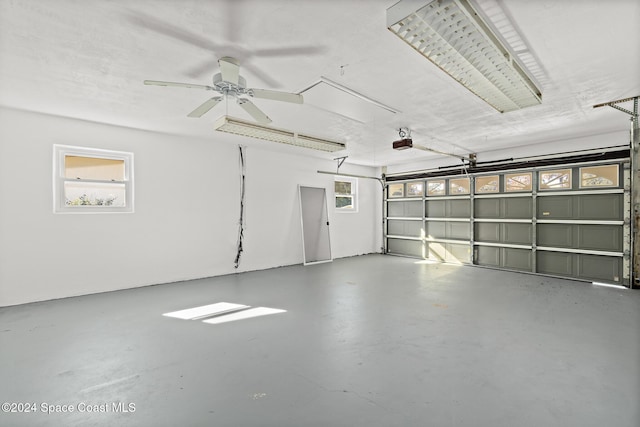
<point>316,245</point>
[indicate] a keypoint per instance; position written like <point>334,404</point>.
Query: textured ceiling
<point>87,59</point>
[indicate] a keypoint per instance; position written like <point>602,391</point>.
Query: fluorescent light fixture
<point>452,35</point>
<point>268,133</point>
<point>246,314</point>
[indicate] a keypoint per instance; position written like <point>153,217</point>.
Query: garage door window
<point>488,184</point>
<point>459,186</point>
<point>518,182</point>
<point>555,180</point>
<point>599,176</point>
<point>415,189</point>
<point>395,190</point>
<point>436,188</point>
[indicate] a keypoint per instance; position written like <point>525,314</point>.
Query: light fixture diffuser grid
<point>451,35</point>
<point>268,133</point>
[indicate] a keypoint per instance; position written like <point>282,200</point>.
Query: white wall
<point>186,211</point>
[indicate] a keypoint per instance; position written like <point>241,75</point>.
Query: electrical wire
<point>242,194</point>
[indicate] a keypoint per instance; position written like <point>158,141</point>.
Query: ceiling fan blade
<point>188,85</point>
<point>276,95</point>
<point>230,69</point>
<point>206,106</point>
<point>254,111</point>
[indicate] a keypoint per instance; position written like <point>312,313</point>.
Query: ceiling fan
<point>229,82</point>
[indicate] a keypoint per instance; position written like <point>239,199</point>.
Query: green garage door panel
<point>580,266</point>
<point>408,209</point>
<point>517,207</point>
<point>555,263</point>
<point>450,208</point>
<point>596,267</point>
<point>487,255</point>
<point>511,233</point>
<point>581,236</point>
<point>600,237</point>
<point>399,227</point>
<point>405,247</point>
<point>508,258</point>
<point>601,206</point>
<point>517,233</point>
<point>449,252</point>
<point>487,232</point>
<point>597,207</point>
<point>458,230</point>
<point>448,230</point>
<point>508,207</point>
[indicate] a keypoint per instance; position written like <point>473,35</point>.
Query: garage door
<point>569,221</point>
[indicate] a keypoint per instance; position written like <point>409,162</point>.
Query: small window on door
<point>599,176</point>
<point>415,189</point>
<point>518,182</point>
<point>459,186</point>
<point>395,191</point>
<point>436,187</point>
<point>89,180</point>
<point>488,184</point>
<point>559,179</point>
<point>346,194</point>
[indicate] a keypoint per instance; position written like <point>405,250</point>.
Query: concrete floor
<point>366,341</point>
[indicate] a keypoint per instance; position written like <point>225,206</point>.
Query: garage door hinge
<point>626,254</point>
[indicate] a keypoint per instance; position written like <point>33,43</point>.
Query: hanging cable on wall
<point>242,192</point>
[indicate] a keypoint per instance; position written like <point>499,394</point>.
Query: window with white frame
<point>89,180</point>
<point>346,190</point>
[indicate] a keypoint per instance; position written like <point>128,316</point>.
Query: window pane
<point>396,190</point>
<point>599,176</point>
<point>436,188</point>
<point>459,186</point>
<point>555,180</point>
<point>94,194</point>
<point>488,184</point>
<point>344,202</point>
<point>518,182</point>
<point>93,168</point>
<point>343,187</point>
<point>415,189</point>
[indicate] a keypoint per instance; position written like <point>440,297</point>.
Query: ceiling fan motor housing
<point>229,88</point>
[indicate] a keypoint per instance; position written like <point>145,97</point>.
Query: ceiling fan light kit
<point>452,35</point>
<point>255,130</point>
